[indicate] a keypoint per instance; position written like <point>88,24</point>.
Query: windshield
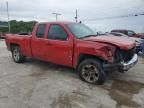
<point>131,33</point>
<point>80,30</point>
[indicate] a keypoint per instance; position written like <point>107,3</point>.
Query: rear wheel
<point>16,55</point>
<point>91,71</point>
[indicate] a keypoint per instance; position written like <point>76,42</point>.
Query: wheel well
<point>13,45</point>
<point>85,56</point>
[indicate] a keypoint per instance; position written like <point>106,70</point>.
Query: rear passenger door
<point>59,47</point>
<point>38,40</point>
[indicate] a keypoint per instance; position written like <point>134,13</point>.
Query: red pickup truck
<point>74,45</point>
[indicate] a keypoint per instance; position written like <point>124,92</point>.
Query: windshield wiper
<point>87,36</point>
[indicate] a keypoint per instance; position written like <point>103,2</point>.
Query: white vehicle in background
<point>2,35</point>
<point>138,41</point>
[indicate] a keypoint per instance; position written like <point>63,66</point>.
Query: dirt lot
<point>37,84</point>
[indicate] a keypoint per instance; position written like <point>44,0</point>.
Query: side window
<point>40,31</point>
<point>56,32</point>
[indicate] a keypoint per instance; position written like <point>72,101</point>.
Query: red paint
<point>66,52</point>
<point>122,43</point>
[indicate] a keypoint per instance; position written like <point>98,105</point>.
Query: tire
<point>16,55</point>
<point>90,70</point>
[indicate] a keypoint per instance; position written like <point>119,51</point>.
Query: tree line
<point>18,26</point>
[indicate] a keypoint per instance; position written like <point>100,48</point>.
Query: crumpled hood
<point>121,42</point>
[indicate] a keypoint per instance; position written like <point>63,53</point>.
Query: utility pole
<point>8,16</point>
<point>56,15</point>
<point>76,17</point>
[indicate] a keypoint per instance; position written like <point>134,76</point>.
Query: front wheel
<point>90,70</point>
<point>16,55</point>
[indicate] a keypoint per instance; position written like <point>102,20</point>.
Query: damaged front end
<point>123,60</point>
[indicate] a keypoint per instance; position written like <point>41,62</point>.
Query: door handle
<point>49,44</point>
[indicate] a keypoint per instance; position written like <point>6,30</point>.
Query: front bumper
<point>121,66</point>
<point>130,64</point>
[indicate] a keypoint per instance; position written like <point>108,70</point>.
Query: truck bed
<point>24,41</point>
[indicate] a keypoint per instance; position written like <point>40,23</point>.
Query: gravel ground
<point>37,84</point>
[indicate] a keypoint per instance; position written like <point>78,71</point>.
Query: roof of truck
<point>56,22</point>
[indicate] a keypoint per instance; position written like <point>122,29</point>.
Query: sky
<point>93,13</point>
